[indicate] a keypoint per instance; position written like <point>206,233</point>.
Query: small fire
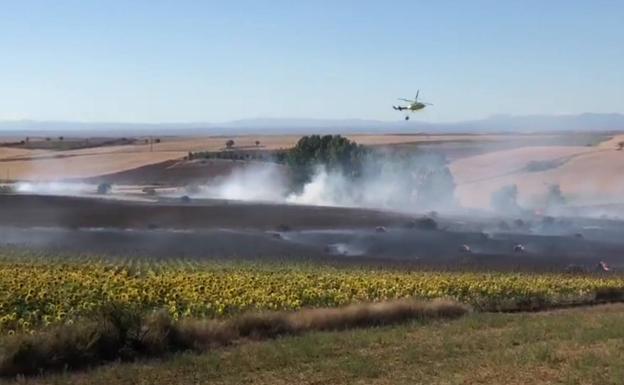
<point>604,266</point>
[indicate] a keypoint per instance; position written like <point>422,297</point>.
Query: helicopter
<point>414,105</point>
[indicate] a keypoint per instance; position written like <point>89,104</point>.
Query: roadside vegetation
<point>122,334</point>
<point>572,346</point>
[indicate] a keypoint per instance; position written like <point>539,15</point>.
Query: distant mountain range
<point>498,123</point>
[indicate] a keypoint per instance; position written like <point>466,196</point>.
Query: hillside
<point>586,175</point>
<point>22,164</point>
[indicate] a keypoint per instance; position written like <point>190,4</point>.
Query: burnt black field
<point>216,229</point>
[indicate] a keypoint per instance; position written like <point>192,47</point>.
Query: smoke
<point>325,189</point>
<point>413,183</point>
<point>505,200</point>
<point>54,188</point>
<point>259,182</point>
<point>345,249</point>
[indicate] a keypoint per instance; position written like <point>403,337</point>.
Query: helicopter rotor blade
<point>417,93</point>
<point>406,100</point>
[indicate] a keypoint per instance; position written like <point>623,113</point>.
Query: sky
<point>214,61</point>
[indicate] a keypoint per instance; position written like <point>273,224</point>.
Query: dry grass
<point>573,346</point>
<point>272,324</point>
<point>376,314</point>
<point>125,335</point>
<point>201,335</point>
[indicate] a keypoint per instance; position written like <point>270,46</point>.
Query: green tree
<point>334,152</point>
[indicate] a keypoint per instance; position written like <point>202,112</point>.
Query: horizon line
<point>213,123</point>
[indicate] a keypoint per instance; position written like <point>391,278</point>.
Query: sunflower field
<point>44,291</point>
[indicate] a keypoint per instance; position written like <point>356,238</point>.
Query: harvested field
<point>586,175</point>
<point>23,164</point>
<point>68,166</point>
<point>177,173</point>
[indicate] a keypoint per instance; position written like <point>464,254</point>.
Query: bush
<point>113,334</point>
<point>192,189</point>
<point>422,224</point>
<point>60,348</point>
<point>609,295</point>
<point>283,228</point>
<point>548,220</point>
<point>104,188</point>
<point>6,189</point>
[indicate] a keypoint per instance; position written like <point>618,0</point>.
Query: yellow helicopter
<point>413,106</point>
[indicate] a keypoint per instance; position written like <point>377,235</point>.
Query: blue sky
<point>189,61</point>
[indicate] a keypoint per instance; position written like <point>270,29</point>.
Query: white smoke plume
<point>324,189</point>
<point>414,184</point>
<point>55,188</point>
<point>265,182</point>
